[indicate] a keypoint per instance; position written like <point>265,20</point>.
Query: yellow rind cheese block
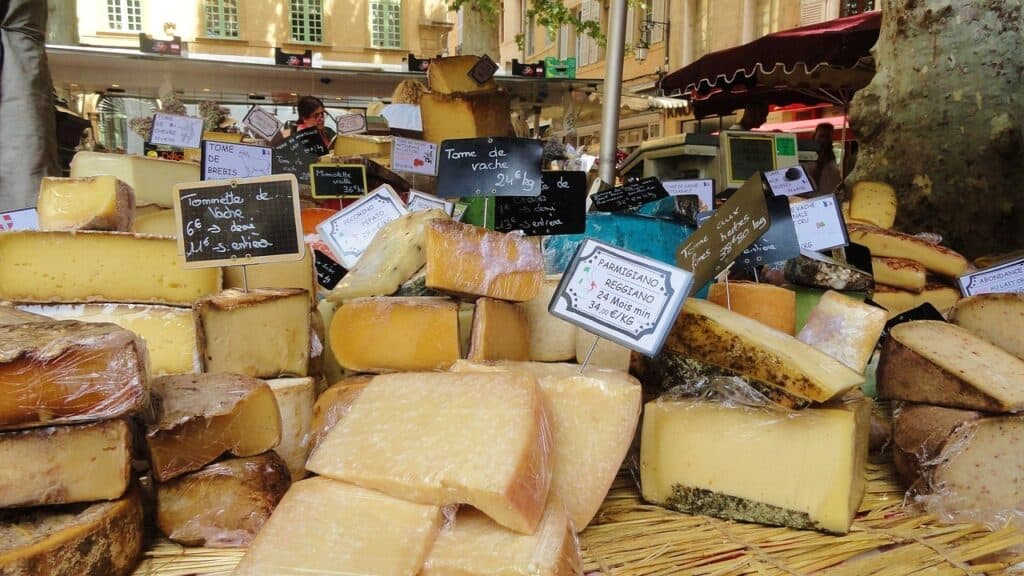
<point>223,504</point>
<point>898,301</point>
<point>64,372</point>
<point>606,354</point>
<point>716,335</point>
<point>899,273</point>
<point>327,527</point>
<point>377,147</point>
<point>451,76</point>
<point>65,464</point>
<point>72,540</point>
<point>593,418</point>
<point>889,243</point>
<point>448,117</point>
<point>169,332</point>
<point>940,363</point>
<point>998,318</point>
<point>768,304</point>
<point>474,261</point>
<point>264,333</point>
<point>38,266</point>
<point>295,398</point>
<point>492,452</point>
<point>551,339</point>
<point>196,418</point>
<point>845,329</point>
<point>297,274</point>
<point>802,469</point>
<point>476,546</point>
<point>873,202</point>
<point>395,334</point>
<point>159,223</point>
<point>95,203</point>
<point>152,179</point>
<point>501,331</point>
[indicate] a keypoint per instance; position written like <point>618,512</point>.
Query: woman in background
<point>824,172</point>
<point>311,115</point>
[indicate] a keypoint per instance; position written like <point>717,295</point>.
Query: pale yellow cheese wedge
<point>295,398</point>
<point>474,261</point>
<point>447,117</point>
<point>95,203</point>
<point>873,202</point>
<point>451,75</point>
<point>998,318</point>
<point>889,243</point>
<point>844,328</point>
<point>501,331</point>
<point>898,301</point>
<point>768,304</point>
<point>491,451</point>
<point>158,223</point>
<point>376,147</point>
<point>606,354</point>
<point>152,179</point>
<point>899,273</point>
<point>551,339</point>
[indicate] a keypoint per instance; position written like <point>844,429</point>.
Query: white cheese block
<point>551,339</point>
<point>295,399</point>
<point>152,179</point>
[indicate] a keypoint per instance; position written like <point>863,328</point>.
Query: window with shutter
<point>386,23</point>
<point>656,9</point>
<point>631,25</point>
<point>587,49</point>
<point>812,12</point>
<point>307,21</point>
<point>702,28</point>
<point>563,42</point>
<point>221,18</point>
<point>124,15</point>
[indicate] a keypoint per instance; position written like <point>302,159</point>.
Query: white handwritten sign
<point>703,189</point>
<point>819,223</point>
<point>418,201</point>
<point>789,181</point>
<point>261,122</point>
<point>174,130</point>
<point>620,295</point>
<point>472,167</point>
<point>350,231</point>
<point>416,156</point>
<point>24,219</point>
<point>352,123</point>
<point>1003,278</point>
<point>231,160</point>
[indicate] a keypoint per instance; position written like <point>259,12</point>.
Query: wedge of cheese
<point>61,372</point>
<point>593,418</point>
<point>474,261</point>
<point>376,147</point>
<point>492,453</point>
<point>297,274</point>
<point>451,76</point>
<point>169,332</point>
<point>935,258</point>
<point>327,527</point>
<point>476,546</point>
<point>818,271</point>
<point>95,203</point>
<point>768,304</point>
<point>72,540</point>
<point>196,418</point>
<point>395,334</point>
<point>606,354</point>
<point>295,398</point>
<point>159,223</point>
<point>152,179</point>
<point>802,469</point>
<point>98,267</point>
<point>264,333</point>
<point>899,273</point>
<point>898,301</point>
<point>716,335</point>
<point>223,504</point>
<point>448,117</point>
<point>943,364</point>
<point>873,202</point>
<point>501,331</point>
<point>333,404</point>
<point>395,254</point>
<point>845,329</point>
<point>551,339</point>
<point>995,317</point>
<point>65,464</point>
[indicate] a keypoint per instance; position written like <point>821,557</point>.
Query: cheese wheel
<point>766,303</point>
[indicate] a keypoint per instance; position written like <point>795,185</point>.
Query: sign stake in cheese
<point>298,274</point>
<point>263,333</point>
<point>199,417</point>
<point>465,259</point>
<point>492,453</point>
<point>882,242</point>
<point>327,527</point>
<point>501,331</point>
<point>705,457</point>
<point>223,504</point>
<point>395,334</point>
<point>716,335</point>
<point>995,317</point>
<point>95,203</point>
<point>152,179</point>
<point>56,372</point>
<point>938,363</point>
<point>845,329</point>
<point>65,464</point>
<point>295,398</point>
<point>98,267</point>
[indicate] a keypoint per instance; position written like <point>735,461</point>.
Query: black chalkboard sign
<point>328,272</point>
<point>476,167</point>
<point>338,180</point>
<point>297,152</point>
<point>560,209</point>
<point>238,222</point>
<point>633,194</point>
<point>779,243</point>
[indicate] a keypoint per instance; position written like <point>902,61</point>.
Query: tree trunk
<point>479,36</point>
<point>942,120</point>
<point>62,22</point>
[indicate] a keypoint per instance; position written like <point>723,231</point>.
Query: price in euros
<point>195,226</point>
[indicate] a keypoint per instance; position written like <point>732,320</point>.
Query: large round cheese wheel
<point>766,303</point>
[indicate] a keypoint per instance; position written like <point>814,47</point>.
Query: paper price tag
<point>418,202</point>
<point>263,123</point>
<point>416,156</point>
<point>24,219</point>
<point>179,131</point>
<point>1001,278</point>
<point>350,231</point>
<point>703,189</point>
<point>230,160</point>
<point>352,124</point>
<point>819,223</point>
<point>789,181</point>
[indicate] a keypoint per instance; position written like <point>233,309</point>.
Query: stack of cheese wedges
<point>457,106</point>
<point>958,423</point>
<point>908,270</point>
<point>527,450</point>
<point>792,453</point>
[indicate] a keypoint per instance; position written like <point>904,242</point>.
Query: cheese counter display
<point>427,414</point>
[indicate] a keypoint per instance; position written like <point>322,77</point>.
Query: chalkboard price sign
<point>338,180</point>
<point>477,167</point>
<point>238,222</point>
<point>559,209</point>
<point>630,195</point>
<point>297,152</point>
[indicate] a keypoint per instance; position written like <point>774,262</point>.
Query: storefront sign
<point>170,47</point>
<point>303,60</point>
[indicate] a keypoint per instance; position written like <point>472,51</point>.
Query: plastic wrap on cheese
<point>468,260</point>
<point>332,405</point>
<point>490,450</point>
<point>62,372</point>
<point>844,328</point>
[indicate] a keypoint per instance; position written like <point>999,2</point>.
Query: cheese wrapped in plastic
<point>332,405</point>
<point>62,372</point>
<point>845,329</point>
